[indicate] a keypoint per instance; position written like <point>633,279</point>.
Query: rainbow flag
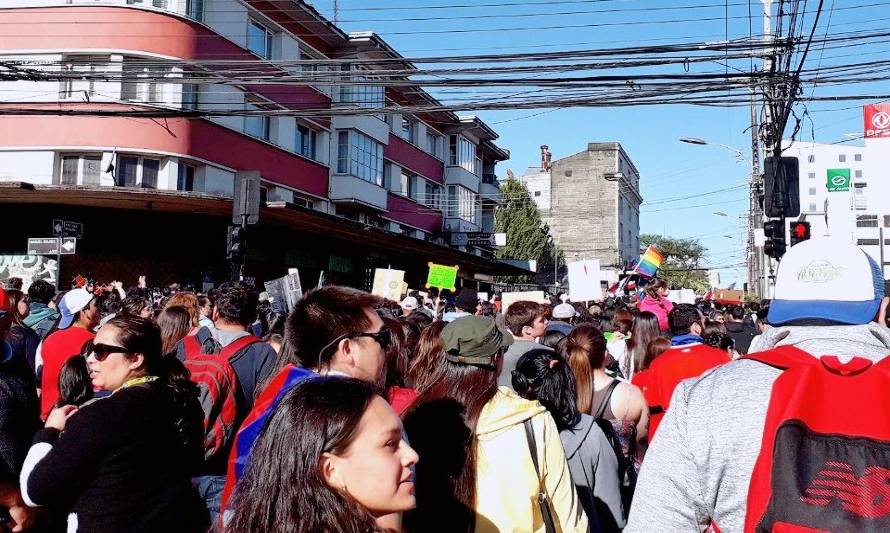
<point>649,262</point>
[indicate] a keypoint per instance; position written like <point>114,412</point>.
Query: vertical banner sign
<point>584,280</point>
<point>388,283</point>
<point>442,276</point>
<point>877,120</point>
<point>838,179</point>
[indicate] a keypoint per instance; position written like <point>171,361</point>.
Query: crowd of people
<point>139,410</point>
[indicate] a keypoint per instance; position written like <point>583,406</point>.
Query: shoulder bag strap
<point>601,408</point>
<point>542,499</point>
<point>532,446</point>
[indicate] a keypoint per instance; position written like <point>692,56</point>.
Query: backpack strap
<point>783,357</point>
<point>601,408</point>
<point>192,346</point>
<point>236,346</point>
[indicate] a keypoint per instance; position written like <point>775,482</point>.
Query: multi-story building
<point>591,202</point>
<point>858,210</point>
<point>150,107</point>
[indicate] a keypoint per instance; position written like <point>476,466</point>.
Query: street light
<point>720,214</point>
<point>739,157</point>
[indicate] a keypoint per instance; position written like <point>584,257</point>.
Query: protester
<point>137,305</point>
<point>717,336</point>
<point>527,322</point>
<point>189,302</point>
<point>19,420</point>
<point>108,305</point>
<point>562,316</point>
<point>75,385</point>
<point>826,295</point>
<point>426,365</point>
<point>331,458</point>
<point>739,328</point>
<point>476,471</point>
<point>466,303</point>
<point>122,463</point>
<point>688,356</point>
<point>205,311</point>
<point>175,323</point>
<point>408,305</point>
<point>657,303</point>
<point>645,329</point>
<point>641,379</point>
<point>762,324</point>
<point>21,338</point>
<point>78,318</point>
<point>553,339</point>
<point>41,317</point>
<point>333,330</point>
<point>397,394</point>
<point>545,376</point>
<point>617,346</point>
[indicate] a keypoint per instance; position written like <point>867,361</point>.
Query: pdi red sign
<point>877,120</point>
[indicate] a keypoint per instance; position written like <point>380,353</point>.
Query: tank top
<point>625,430</point>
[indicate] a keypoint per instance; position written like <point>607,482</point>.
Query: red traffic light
<point>800,231</point>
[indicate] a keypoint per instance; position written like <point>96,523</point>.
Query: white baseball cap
<point>409,302</point>
<point>826,279</point>
<point>74,300</point>
<point>564,310</point>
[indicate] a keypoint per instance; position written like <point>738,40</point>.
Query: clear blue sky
<point>650,135</point>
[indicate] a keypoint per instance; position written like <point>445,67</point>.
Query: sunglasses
<point>102,351</point>
<point>383,338</point>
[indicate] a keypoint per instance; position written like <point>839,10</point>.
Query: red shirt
<point>675,365</point>
<point>643,380</point>
<point>401,398</point>
<point>56,349</point>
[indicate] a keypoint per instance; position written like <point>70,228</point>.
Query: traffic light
<point>236,244</point>
<point>800,231</point>
<point>774,232</point>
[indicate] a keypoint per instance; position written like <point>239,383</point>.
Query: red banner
<point>877,120</point>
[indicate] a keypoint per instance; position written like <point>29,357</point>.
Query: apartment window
<point>537,193</point>
<point>408,130</point>
<point>812,208</point>
<point>74,69</point>
<point>857,157</point>
<point>857,174</point>
<point>461,203</point>
<point>408,184</point>
<point>258,126</point>
<point>434,144</point>
<point>462,153</point>
<point>308,67</point>
<point>812,175</point>
<point>432,195</point>
<point>77,169</point>
<point>811,159</point>
<point>360,156</point>
<point>867,221</point>
<point>306,141</point>
<point>195,9</point>
<point>842,158</point>
<point>812,191</point>
<point>259,39</point>
<point>137,171</point>
<point>142,83</point>
<point>356,91</point>
<point>185,177</point>
<point>190,92</point>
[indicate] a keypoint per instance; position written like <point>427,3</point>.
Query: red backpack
<point>218,384</point>
<point>824,464</point>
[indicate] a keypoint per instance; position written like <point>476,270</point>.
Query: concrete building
<point>124,74</point>
<point>859,212</point>
<point>591,201</point>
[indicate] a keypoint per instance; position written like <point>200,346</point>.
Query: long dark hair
<point>441,426</point>
<point>426,365</point>
<point>283,489</point>
<point>75,386</point>
<point>142,336</point>
<point>175,322</point>
<point>13,297</point>
<point>545,376</point>
<point>396,354</point>
<point>645,329</point>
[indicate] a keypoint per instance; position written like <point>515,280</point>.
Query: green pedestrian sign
<point>838,179</point>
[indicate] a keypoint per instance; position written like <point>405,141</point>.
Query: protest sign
<point>682,296</point>
<point>585,279</point>
<point>442,276</point>
<point>388,283</point>
<point>508,298</point>
<point>285,292</point>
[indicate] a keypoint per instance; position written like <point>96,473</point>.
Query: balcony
<point>346,189</point>
<point>490,190</point>
<point>460,176</point>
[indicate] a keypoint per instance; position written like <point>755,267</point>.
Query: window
<point>74,69</point>
<point>190,93</point>
<point>812,208</point>
<point>185,178</point>
<point>142,83</point>
<point>462,153</point>
<point>461,203</point>
<point>360,156</point>
<point>306,141</point>
<point>432,196</point>
<point>537,193</point>
<point>408,130</point>
<point>80,169</point>
<point>408,184</point>
<point>868,242</point>
<point>308,67</point>
<point>811,159</point>
<point>860,185</point>
<point>867,221</point>
<point>135,171</point>
<point>842,158</point>
<point>257,125</point>
<point>195,9</point>
<point>812,175</point>
<point>259,39</point>
<point>857,174</point>
<point>355,91</point>
<point>812,191</point>
<point>434,144</point>
<point>857,157</point>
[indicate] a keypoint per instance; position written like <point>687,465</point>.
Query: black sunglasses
<point>383,338</point>
<point>102,351</point>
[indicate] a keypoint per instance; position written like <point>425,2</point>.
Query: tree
<point>527,237</point>
<point>682,261</point>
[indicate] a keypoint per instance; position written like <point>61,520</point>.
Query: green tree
<point>682,261</point>
<point>527,237</point>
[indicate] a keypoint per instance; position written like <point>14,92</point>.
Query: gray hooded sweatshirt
<point>698,467</point>
<point>594,470</point>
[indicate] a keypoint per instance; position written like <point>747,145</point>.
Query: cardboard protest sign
<point>442,276</point>
<point>682,296</point>
<point>508,298</point>
<point>388,283</point>
<point>585,280</point>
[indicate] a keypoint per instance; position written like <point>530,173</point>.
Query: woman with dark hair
<point>75,385</point>
<point>645,328</point>
<point>545,376</point>
<point>477,441</point>
<point>21,338</point>
<point>716,335</point>
<point>398,395</point>
<point>426,365</point>
<point>656,347</point>
<point>123,463</point>
<point>331,458</point>
<point>552,339</point>
<point>175,322</point>
<point>657,303</point>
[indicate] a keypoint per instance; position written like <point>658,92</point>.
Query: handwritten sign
<point>388,283</point>
<point>442,276</point>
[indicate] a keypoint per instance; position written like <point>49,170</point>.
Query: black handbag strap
<point>532,446</point>
<point>601,408</point>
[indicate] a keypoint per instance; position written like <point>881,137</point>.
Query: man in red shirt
<point>79,318</point>
<point>686,358</point>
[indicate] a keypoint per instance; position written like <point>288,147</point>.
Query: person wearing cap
<point>408,305</point>
<point>466,303</point>
<point>476,471</point>
<point>697,471</point>
<point>562,314</point>
<point>79,318</point>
